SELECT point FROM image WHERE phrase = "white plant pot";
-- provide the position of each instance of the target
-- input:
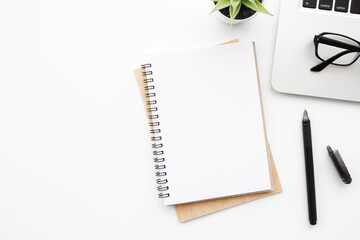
(227, 20)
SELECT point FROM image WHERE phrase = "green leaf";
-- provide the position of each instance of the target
(262, 9)
(235, 12)
(249, 4)
(234, 5)
(221, 4)
(255, 5)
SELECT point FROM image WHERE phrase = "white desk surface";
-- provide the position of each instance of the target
(75, 157)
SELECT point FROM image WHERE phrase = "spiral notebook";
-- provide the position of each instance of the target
(193, 210)
(207, 128)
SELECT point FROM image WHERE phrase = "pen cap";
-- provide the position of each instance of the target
(339, 165)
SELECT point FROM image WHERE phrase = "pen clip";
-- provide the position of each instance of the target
(339, 165)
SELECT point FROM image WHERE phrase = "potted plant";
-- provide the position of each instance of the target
(236, 11)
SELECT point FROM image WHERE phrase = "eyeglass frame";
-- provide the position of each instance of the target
(332, 42)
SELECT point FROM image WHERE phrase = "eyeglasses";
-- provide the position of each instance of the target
(337, 49)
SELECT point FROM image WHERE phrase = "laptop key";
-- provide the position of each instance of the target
(309, 3)
(325, 4)
(355, 6)
(342, 5)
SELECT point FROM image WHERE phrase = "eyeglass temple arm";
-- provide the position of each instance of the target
(335, 43)
(325, 63)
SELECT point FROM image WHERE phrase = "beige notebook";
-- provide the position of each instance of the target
(195, 209)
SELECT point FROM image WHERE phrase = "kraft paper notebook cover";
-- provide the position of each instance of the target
(195, 209)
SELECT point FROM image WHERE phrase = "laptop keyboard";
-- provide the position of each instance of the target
(336, 5)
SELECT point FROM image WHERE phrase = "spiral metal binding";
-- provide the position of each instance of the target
(155, 131)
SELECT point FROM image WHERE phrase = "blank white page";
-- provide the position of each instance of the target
(211, 122)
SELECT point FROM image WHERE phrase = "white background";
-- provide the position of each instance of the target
(75, 155)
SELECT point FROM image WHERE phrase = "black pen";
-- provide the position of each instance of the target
(309, 168)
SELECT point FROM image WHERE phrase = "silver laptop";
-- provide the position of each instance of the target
(299, 22)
